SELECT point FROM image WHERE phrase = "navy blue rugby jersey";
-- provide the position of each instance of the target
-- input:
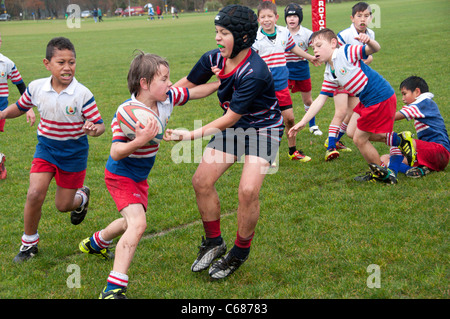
(247, 90)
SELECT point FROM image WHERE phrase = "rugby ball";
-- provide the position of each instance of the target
(131, 112)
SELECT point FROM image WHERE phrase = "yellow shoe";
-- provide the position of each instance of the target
(299, 156)
(407, 147)
(339, 146)
(331, 154)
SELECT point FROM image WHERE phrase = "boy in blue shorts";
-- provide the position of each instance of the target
(68, 113)
(251, 126)
(373, 116)
(272, 43)
(130, 163)
(299, 75)
(8, 70)
(431, 150)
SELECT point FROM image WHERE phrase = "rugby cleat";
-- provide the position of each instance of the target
(25, 253)
(119, 293)
(315, 130)
(3, 172)
(339, 146)
(331, 154)
(418, 171)
(225, 266)
(207, 253)
(299, 156)
(407, 147)
(368, 177)
(85, 247)
(78, 215)
(383, 174)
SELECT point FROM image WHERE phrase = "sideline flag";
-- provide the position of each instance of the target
(318, 11)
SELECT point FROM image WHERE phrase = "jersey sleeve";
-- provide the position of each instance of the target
(91, 112)
(411, 112)
(353, 53)
(201, 72)
(178, 95)
(25, 102)
(15, 76)
(290, 43)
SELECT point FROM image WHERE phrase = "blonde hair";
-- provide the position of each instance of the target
(144, 66)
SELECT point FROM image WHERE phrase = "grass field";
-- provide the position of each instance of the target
(319, 230)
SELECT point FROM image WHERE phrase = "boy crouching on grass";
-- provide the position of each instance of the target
(68, 113)
(373, 117)
(130, 163)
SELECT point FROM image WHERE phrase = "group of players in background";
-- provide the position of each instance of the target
(258, 65)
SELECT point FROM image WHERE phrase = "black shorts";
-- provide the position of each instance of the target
(237, 141)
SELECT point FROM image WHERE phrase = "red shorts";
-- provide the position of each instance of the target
(71, 180)
(125, 191)
(2, 125)
(378, 118)
(299, 85)
(284, 98)
(432, 155)
(342, 91)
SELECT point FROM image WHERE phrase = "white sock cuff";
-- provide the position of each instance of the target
(30, 240)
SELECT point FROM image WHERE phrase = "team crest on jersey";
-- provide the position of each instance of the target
(343, 71)
(2, 74)
(71, 110)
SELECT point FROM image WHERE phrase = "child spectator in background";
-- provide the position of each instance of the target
(299, 75)
(272, 42)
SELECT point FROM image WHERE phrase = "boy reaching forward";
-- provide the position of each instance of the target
(68, 114)
(373, 116)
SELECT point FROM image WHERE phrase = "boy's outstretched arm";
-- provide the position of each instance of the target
(203, 90)
(315, 107)
(301, 53)
(12, 111)
(372, 46)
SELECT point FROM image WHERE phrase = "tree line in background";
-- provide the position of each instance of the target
(40, 9)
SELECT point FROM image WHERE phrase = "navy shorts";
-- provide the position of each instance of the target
(262, 143)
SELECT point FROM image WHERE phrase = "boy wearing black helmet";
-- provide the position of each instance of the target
(251, 126)
(299, 75)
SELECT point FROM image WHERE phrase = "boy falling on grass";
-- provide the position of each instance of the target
(68, 114)
(431, 150)
(130, 163)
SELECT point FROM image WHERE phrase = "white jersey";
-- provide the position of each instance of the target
(301, 38)
(348, 35)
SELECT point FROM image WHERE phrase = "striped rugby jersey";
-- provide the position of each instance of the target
(61, 139)
(355, 76)
(273, 53)
(137, 166)
(9, 71)
(247, 90)
(298, 66)
(428, 121)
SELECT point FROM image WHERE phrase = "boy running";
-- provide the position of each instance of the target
(68, 114)
(251, 126)
(130, 163)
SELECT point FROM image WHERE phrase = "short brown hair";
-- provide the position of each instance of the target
(326, 34)
(144, 66)
(269, 5)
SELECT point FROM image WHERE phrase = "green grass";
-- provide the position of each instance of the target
(319, 230)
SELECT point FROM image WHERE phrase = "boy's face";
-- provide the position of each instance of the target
(409, 96)
(160, 84)
(323, 48)
(292, 22)
(225, 41)
(361, 19)
(62, 67)
(267, 19)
